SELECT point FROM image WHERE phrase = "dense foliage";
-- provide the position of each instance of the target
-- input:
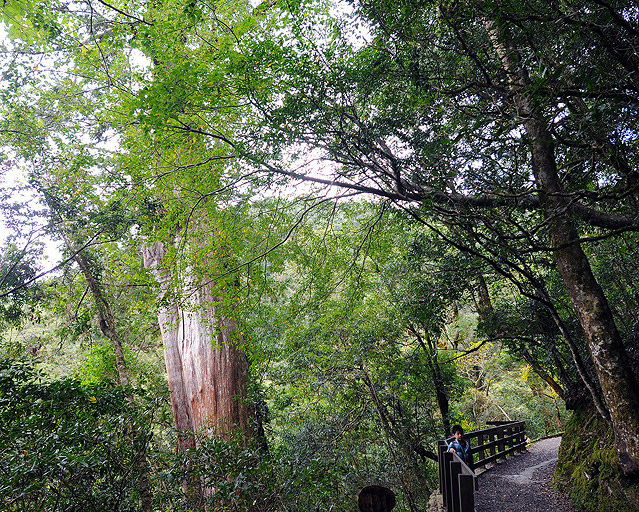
(402, 215)
(64, 445)
(349, 347)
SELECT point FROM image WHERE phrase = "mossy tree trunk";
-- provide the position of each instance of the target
(618, 383)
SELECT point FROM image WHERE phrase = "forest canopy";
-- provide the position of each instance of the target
(344, 226)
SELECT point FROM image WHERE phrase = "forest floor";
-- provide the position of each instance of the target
(523, 483)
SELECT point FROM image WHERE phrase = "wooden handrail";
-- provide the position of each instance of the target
(457, 479)
(475, 433)
(504, 439)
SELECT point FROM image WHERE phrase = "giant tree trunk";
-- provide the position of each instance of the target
(618, 383)
(207, 373)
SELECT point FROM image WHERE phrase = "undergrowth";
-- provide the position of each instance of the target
(588, 470)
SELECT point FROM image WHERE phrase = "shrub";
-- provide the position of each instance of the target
(64, 446)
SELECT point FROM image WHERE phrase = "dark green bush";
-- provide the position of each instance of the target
(233, 475)
(64, 446)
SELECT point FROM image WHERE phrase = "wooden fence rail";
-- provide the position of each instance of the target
(457, 479)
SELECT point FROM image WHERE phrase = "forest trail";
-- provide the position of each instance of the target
(523, 483)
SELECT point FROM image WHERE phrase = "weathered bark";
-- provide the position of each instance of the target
(620, 389)
(618, 383)
(207, 373)
(169, 320)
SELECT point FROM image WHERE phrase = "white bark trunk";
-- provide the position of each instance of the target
(207, 373)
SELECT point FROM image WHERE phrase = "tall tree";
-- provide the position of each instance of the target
(456, 112)
(480, 119)
(206, 368)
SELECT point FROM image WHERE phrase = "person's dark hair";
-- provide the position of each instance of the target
(457, 428)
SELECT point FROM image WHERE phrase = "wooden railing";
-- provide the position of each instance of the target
(494, 443)
(457, 479)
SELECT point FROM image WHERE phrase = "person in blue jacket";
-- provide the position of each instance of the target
(459, 445)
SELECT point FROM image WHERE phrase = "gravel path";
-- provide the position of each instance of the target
(523, 483)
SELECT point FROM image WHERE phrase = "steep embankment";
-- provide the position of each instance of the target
(587, 470)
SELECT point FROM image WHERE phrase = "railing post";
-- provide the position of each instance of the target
(493, 448)
(467, 493)
(455, 473)
(442, 448)
(502, 442)
(447, 491)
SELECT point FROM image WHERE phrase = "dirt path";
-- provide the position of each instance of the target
(523, 483)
